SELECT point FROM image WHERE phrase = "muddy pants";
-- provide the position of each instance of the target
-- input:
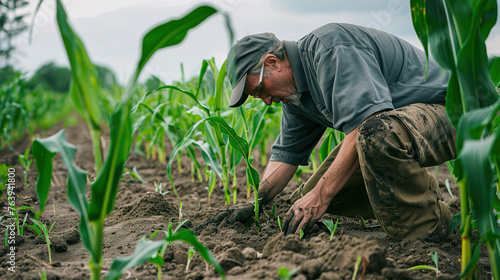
(393, 184)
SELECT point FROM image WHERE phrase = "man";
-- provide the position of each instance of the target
(375, 88)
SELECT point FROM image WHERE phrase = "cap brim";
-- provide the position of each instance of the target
(238, 97)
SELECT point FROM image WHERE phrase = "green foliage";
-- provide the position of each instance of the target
(356, 267)
(285, 273)
(51, 77)
(455, 31)
(104, 188)
(331, 227)
(26, 164)
(43, 232)
(435, 259)
(188, 237)
(6, 73)
(14, 119)
(144, 250)
(4, 171)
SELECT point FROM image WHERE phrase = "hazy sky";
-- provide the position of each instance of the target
(112, 30)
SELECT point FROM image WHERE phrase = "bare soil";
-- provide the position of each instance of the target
(243, 252)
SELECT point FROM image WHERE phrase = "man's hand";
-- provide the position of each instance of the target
(304, 213)
(235, 213)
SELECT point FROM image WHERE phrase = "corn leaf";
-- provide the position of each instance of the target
(219, 100)
(171, 33)
(495, 72)
(475, 158)
(43, 162)
(77, 178)
(106, 185)
(188, 237)
(488, 18)
(443, 40)
(420, 26)
(144, 250)
(240, 145)
(191, 95)
(258, 121)
(326, 147)
(473, 66)
(209, 157)
(85, 85)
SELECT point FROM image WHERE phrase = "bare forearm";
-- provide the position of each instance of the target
(343, 167)
(275, 178)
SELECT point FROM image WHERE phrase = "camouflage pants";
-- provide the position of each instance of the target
(393, 184)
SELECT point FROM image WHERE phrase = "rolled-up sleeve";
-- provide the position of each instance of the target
(353, 85)
(299, 135)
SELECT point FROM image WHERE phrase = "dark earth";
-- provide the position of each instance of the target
(243, 252)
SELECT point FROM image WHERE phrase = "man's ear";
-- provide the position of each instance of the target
(273, 61)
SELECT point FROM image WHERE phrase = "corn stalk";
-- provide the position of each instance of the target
(455, 31)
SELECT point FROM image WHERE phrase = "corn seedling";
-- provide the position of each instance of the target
(159, 189)
(184, 235)
(279, 224)
(191, 252)
(363, 222)
(157, 259)
(134, 174)
(285, 273)
(273, 212)
(15, 214)
(434, 257)
(356, 267)
(43, 275)
(43, 232)
(331, 227)
(301, 233)
(4, 171)
(180, 210)
(104, 188)
(26, 164)
(455, 32)
(448, 188)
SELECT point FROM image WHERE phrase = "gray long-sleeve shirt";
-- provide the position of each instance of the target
(345, 74)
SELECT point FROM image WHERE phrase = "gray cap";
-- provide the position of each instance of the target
(242, 57)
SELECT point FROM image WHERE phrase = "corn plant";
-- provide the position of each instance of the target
(159, 188)
(455, 32)
(285, 273)
(26, 164)
(435, 259)
(43, 232)
(331, 227)
(4, 171)
(14, 119)
(191, 253)
(218, 133)
(356, 267)
(104, 188)
(172, 236)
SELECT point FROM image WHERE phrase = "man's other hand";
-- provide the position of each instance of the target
(235, 213)
(304, 213)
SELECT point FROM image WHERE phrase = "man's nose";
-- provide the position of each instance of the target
(268, 100)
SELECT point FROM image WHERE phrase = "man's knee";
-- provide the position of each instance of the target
(382, 136)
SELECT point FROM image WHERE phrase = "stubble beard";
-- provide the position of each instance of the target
(294, 98)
